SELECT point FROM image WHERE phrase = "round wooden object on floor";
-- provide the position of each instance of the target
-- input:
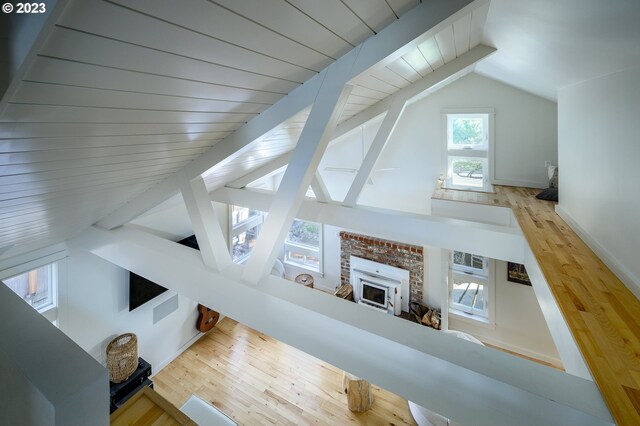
(359, 395)
(305, 279)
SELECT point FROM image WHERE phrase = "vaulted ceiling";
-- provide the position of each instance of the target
(121, 94)
(124, 93)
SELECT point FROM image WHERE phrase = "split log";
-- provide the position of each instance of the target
(345, 292)
(359, 395)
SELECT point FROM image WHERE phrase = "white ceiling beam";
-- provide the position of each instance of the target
(497, 242)
(206, 225)
(261, 172)
(451, 71)
(424, 21)
(379, 141)
(316, 134)
(320, 189)
(499, 389)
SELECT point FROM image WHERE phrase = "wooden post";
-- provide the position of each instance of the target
(359, 395)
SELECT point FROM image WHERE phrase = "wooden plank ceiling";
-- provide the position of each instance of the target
(379, 82)
(126, 92)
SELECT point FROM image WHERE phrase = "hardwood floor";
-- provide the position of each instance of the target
(255, 379)
(602, 314)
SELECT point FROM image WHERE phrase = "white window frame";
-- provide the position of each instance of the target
(56, 259)
(484, 277)
(306, 250)
(240, 227)
(484, 151)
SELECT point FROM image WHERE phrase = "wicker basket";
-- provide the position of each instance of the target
(122, 357)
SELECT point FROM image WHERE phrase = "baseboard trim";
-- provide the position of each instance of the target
(179, 351)
(523, 183)
(627, 277)
(523, 351)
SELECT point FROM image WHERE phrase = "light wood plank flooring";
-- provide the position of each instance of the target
(255, 380)
(602, 314)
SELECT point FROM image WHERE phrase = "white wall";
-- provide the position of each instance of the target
(525, 137)
(599, 152)
(45, 378)
(94, 305)
(330, 279)
(520, 325)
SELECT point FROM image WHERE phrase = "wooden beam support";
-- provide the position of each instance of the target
(453, 70)
(320, 189)
(424, 21)
(500, 389)
(382, 136)
(206, 225)
(261, 172)
(316, 134)
(497, 242)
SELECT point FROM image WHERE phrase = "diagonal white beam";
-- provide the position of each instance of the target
(378, 144)
(261, 171)
(497, 242)
(453, 70)
(424, 21)
(320, 189)
(315, 136)
(206, 225)
(430, 368)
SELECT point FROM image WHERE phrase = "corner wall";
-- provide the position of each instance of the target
(45, 378)
(599, 153)
(520, 326)
(94, 304)
(404, 177)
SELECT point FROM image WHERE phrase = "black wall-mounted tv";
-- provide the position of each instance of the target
(141, 290)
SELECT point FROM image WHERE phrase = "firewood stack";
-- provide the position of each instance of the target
(431, 319)
(426, 316)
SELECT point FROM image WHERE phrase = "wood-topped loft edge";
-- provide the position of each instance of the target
(602, 314)
(147, 407)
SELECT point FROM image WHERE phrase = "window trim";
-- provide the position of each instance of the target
(240, 227)
(50, 310)
(305, 247)
(487, 280)
(471, 153)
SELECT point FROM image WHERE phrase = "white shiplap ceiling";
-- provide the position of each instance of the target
(123, 93)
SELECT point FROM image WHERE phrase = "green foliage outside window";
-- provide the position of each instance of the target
(468, 168)
(467, 131)
(307, 233)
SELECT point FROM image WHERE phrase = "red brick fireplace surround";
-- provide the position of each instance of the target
(391, 253)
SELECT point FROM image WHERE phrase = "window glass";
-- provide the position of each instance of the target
(468, 296)
(471, 286)
(246, 224)
(467, 159)
(37, 287)
(467, 172)
(243, 243)
(242, 214)
(464, 261)
(303, 232)
(303, 246)
(467, 131)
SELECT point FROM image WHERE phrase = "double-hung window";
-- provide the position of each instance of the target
(245, 228)
(471, 287)
(468, 141)
(39, 288)
(303, 245)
